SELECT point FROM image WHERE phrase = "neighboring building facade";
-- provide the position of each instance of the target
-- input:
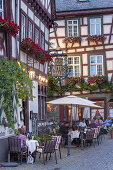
(35, 19)
(80, 18)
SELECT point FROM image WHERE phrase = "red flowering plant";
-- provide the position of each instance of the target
(28, 45)
(75, 82)
(97, 80)
(72, 40)
(96, 38)
(9, 26)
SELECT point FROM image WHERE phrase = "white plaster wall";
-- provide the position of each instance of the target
(46, 67)
(46, 34)
(84, 42)
(84, 30)
(61, 32)
(30, 14)
(107, 19)
(61, 22)
(109, 76)
(106, 29)
(53, 33)
(46, 47)
(23, 57)
(36, 65)
(109, 54)
(41, 67)
(13, 47)
(19, 109)
(33, 105)
(85, 70)
(23, 7)
(84, 59)
(85, 20)
(109, 65)
(42, 26)
(37, 21)
(62, 45)
(13, 10)
(54, 44)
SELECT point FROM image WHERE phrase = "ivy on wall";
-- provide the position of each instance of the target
(13, 78)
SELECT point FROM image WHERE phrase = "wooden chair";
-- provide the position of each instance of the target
(15, 147)
(58, 141)
(48, 148)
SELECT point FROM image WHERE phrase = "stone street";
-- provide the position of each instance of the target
(98, 158)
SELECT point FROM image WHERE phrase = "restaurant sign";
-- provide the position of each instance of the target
(59, 68)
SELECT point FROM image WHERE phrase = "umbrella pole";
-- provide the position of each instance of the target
(71, 114)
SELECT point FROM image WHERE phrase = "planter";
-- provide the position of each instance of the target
(111, 132)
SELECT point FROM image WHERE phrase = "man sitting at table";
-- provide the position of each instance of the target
(82, 124)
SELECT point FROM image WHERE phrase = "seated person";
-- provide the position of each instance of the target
(97, 123)
(82, 124)
(23, 140)
(64, 131)
(92, 124)
(24, 132)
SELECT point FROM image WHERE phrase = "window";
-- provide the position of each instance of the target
(1, 9)
(74, 66)
(36, 36)
(23, 23)
(72, 28)
(30, 30)
(95, 26)
(96, 65)
(42, 41)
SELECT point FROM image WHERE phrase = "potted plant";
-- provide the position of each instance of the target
(111, 131)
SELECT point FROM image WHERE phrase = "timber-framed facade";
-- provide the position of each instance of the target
(86, 58)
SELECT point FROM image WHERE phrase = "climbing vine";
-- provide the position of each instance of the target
(13, 79)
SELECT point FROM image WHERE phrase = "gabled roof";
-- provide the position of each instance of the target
(70, 5)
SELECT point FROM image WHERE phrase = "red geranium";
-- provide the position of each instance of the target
(9, 26)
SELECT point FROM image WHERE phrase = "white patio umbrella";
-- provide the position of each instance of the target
(74, 101)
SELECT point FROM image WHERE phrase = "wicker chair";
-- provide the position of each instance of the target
(89, 137)
(15, 147)
(48, 148)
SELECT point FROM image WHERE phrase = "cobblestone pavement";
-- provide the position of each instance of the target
(98, 158)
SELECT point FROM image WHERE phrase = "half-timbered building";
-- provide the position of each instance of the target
(35, 17)
(85, 34)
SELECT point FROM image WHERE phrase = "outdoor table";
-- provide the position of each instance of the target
(74, 134)
(32, 144)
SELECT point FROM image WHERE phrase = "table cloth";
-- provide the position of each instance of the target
(32, 144)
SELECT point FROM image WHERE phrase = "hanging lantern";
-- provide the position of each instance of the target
(31, 73)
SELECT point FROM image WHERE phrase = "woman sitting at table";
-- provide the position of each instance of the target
(23, 140)
(92, 124)
(82, 124)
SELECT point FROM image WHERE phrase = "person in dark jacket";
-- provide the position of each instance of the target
(64, 131)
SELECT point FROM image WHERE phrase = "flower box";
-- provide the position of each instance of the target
(96, 38)
(9, 26)
(72, 40)
(29, 46)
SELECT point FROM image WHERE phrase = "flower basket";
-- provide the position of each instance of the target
(29, 46)
(96, 38)
(9, 26)
(72, 40)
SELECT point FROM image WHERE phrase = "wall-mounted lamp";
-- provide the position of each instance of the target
(31, 73)
(42, 79)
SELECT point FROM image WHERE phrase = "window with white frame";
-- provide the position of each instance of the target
(1, 9)
(74, 66)
(72, 28)
(30, 30)
(96, 65)
(36, 36)
(95, 26)
(23, 26)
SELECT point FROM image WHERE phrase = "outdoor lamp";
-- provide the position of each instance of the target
(31, 73)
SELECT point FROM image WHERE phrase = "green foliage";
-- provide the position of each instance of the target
(13, 79)
(36, 138)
